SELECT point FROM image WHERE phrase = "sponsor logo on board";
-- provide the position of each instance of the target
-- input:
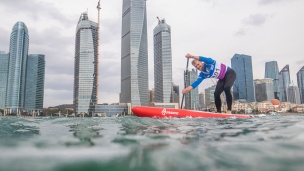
(165, 111)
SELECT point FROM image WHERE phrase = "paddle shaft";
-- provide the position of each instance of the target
(185, 82)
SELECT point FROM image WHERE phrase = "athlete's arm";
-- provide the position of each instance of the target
(194, 84)
(201, 58)
(199, 79)
(192, 56)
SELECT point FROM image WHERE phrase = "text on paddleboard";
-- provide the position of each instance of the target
(164, 112)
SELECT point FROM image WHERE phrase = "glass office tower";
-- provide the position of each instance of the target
(191, 98)
(162, 63)
(293, 94)
(85, 68)
(201, 98)
(272, 71)
(263, 89)
(3, 77)
(284, 82)
(19, 43)
(134, 54)
(300, 80)
(243, 87)
(175, 92)
(209, 95)
(35, 82)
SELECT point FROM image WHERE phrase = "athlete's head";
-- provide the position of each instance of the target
(198, 64)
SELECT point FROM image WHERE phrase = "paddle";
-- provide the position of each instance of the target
(185, 82)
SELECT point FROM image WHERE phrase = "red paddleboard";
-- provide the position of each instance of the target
(157, 112)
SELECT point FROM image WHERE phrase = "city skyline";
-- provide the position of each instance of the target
(265, 30)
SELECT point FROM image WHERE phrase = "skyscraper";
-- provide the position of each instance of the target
(3, 77)
(162, 63)
(35, 82)
(243, 85)
(151, 96)
(293, 94)
(284, 82)
(263, 89)
(209, 95)
(272, 71)
(85, 70)
(191, 98)
(175, 92)
(201, 97)
(134, 53)
(19, 43)
(300, 80)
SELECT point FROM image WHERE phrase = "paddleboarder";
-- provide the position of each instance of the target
(212, 69)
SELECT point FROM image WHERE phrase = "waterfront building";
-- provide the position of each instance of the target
(35, 83)
(293, 94)
(265, 107)
(175, 94)
(4, 56)
(191, 98)
(243, 87)
(201, 98)
(300, 80)
(162, 63)
(272, 71)
(284, 82)
(85, 67)
(111, 110)
(166, 105)
(263, 89)
(238, 106)
(18, 53)
(151, 96)
(209, 95)
(134, 54)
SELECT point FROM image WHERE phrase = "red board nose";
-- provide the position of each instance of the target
(138, 110)
(135, 109)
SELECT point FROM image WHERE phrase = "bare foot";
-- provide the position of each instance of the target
(228, 112)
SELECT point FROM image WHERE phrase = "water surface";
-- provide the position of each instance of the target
(131, 143)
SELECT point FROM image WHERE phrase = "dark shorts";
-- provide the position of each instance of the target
(227, 81)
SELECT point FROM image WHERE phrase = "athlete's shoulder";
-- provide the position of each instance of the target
(207, 60)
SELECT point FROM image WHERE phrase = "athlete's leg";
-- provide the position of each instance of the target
(228, 98)
(217, 95)
(229, 80)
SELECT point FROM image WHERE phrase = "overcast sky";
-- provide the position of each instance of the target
(267, 30)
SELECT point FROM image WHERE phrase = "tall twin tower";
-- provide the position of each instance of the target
(134, 59)
(134, 54)
(21, 75)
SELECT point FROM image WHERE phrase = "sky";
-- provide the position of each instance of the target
(266, 30)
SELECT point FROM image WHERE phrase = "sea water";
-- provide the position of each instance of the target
(147, 144)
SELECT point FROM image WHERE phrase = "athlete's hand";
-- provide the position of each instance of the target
(186, 90)
(188, 55)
